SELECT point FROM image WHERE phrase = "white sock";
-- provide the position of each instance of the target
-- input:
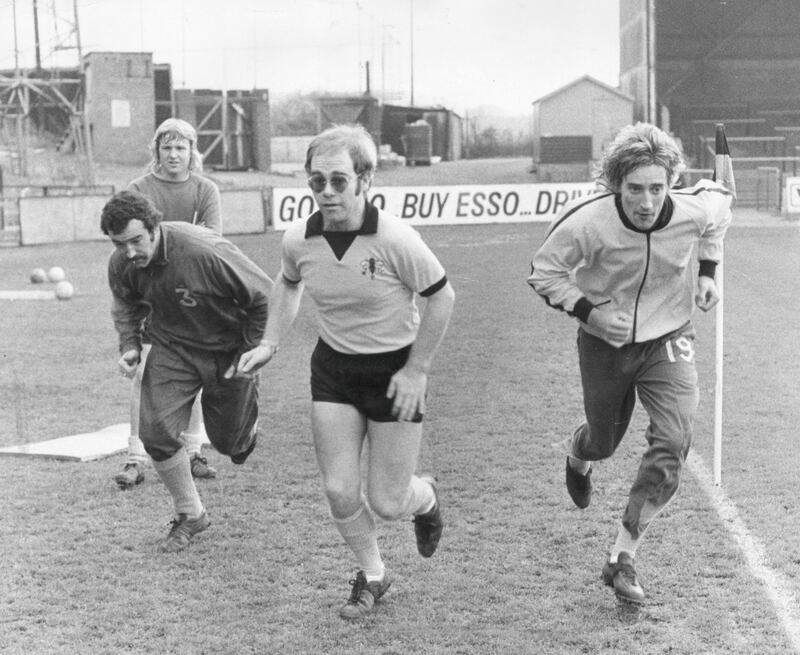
(565, 446)
(136, 451)
(176, 474)
(359, 533)
(420, 498)
(624, 543)
(192, 443)
(192, 436)
(579, 465)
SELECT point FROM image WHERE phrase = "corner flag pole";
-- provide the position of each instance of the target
(718, 359)
(723, 173)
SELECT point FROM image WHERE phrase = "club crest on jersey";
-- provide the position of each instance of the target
(372, 266)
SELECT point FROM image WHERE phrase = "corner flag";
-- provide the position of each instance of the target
(723, 173)
(723, 165)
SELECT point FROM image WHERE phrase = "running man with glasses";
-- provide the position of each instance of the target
(369, 371)
(623, 263)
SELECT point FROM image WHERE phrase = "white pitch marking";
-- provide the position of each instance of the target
(33, 294)
(776, 586)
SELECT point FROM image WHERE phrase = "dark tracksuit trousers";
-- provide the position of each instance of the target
(172, 378)
(662, 372)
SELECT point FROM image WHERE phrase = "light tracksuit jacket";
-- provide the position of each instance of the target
(593, 255)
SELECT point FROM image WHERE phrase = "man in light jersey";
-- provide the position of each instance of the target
(207, 304)
(180, 193)
(363, 269)
(622, 263)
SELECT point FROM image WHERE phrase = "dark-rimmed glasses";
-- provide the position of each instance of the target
(339, 182)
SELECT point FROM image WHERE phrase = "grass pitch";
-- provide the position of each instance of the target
(518, 570)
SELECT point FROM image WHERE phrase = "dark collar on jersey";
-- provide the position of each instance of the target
(369, 225)
(160, 255)
(664, 217)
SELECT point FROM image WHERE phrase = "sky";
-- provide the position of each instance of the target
(460, 54)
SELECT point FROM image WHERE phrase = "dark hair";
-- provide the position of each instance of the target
(127, 206)
(639, 145)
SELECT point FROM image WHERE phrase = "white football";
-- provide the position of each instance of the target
(64, 290)
(56, 274)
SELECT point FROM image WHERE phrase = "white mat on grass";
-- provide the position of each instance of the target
(83, 447)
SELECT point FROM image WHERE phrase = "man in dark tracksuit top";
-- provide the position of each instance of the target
(207, 304)
(622, 264)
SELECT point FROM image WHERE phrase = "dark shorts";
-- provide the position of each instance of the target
(358, 380)
(172, 378)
